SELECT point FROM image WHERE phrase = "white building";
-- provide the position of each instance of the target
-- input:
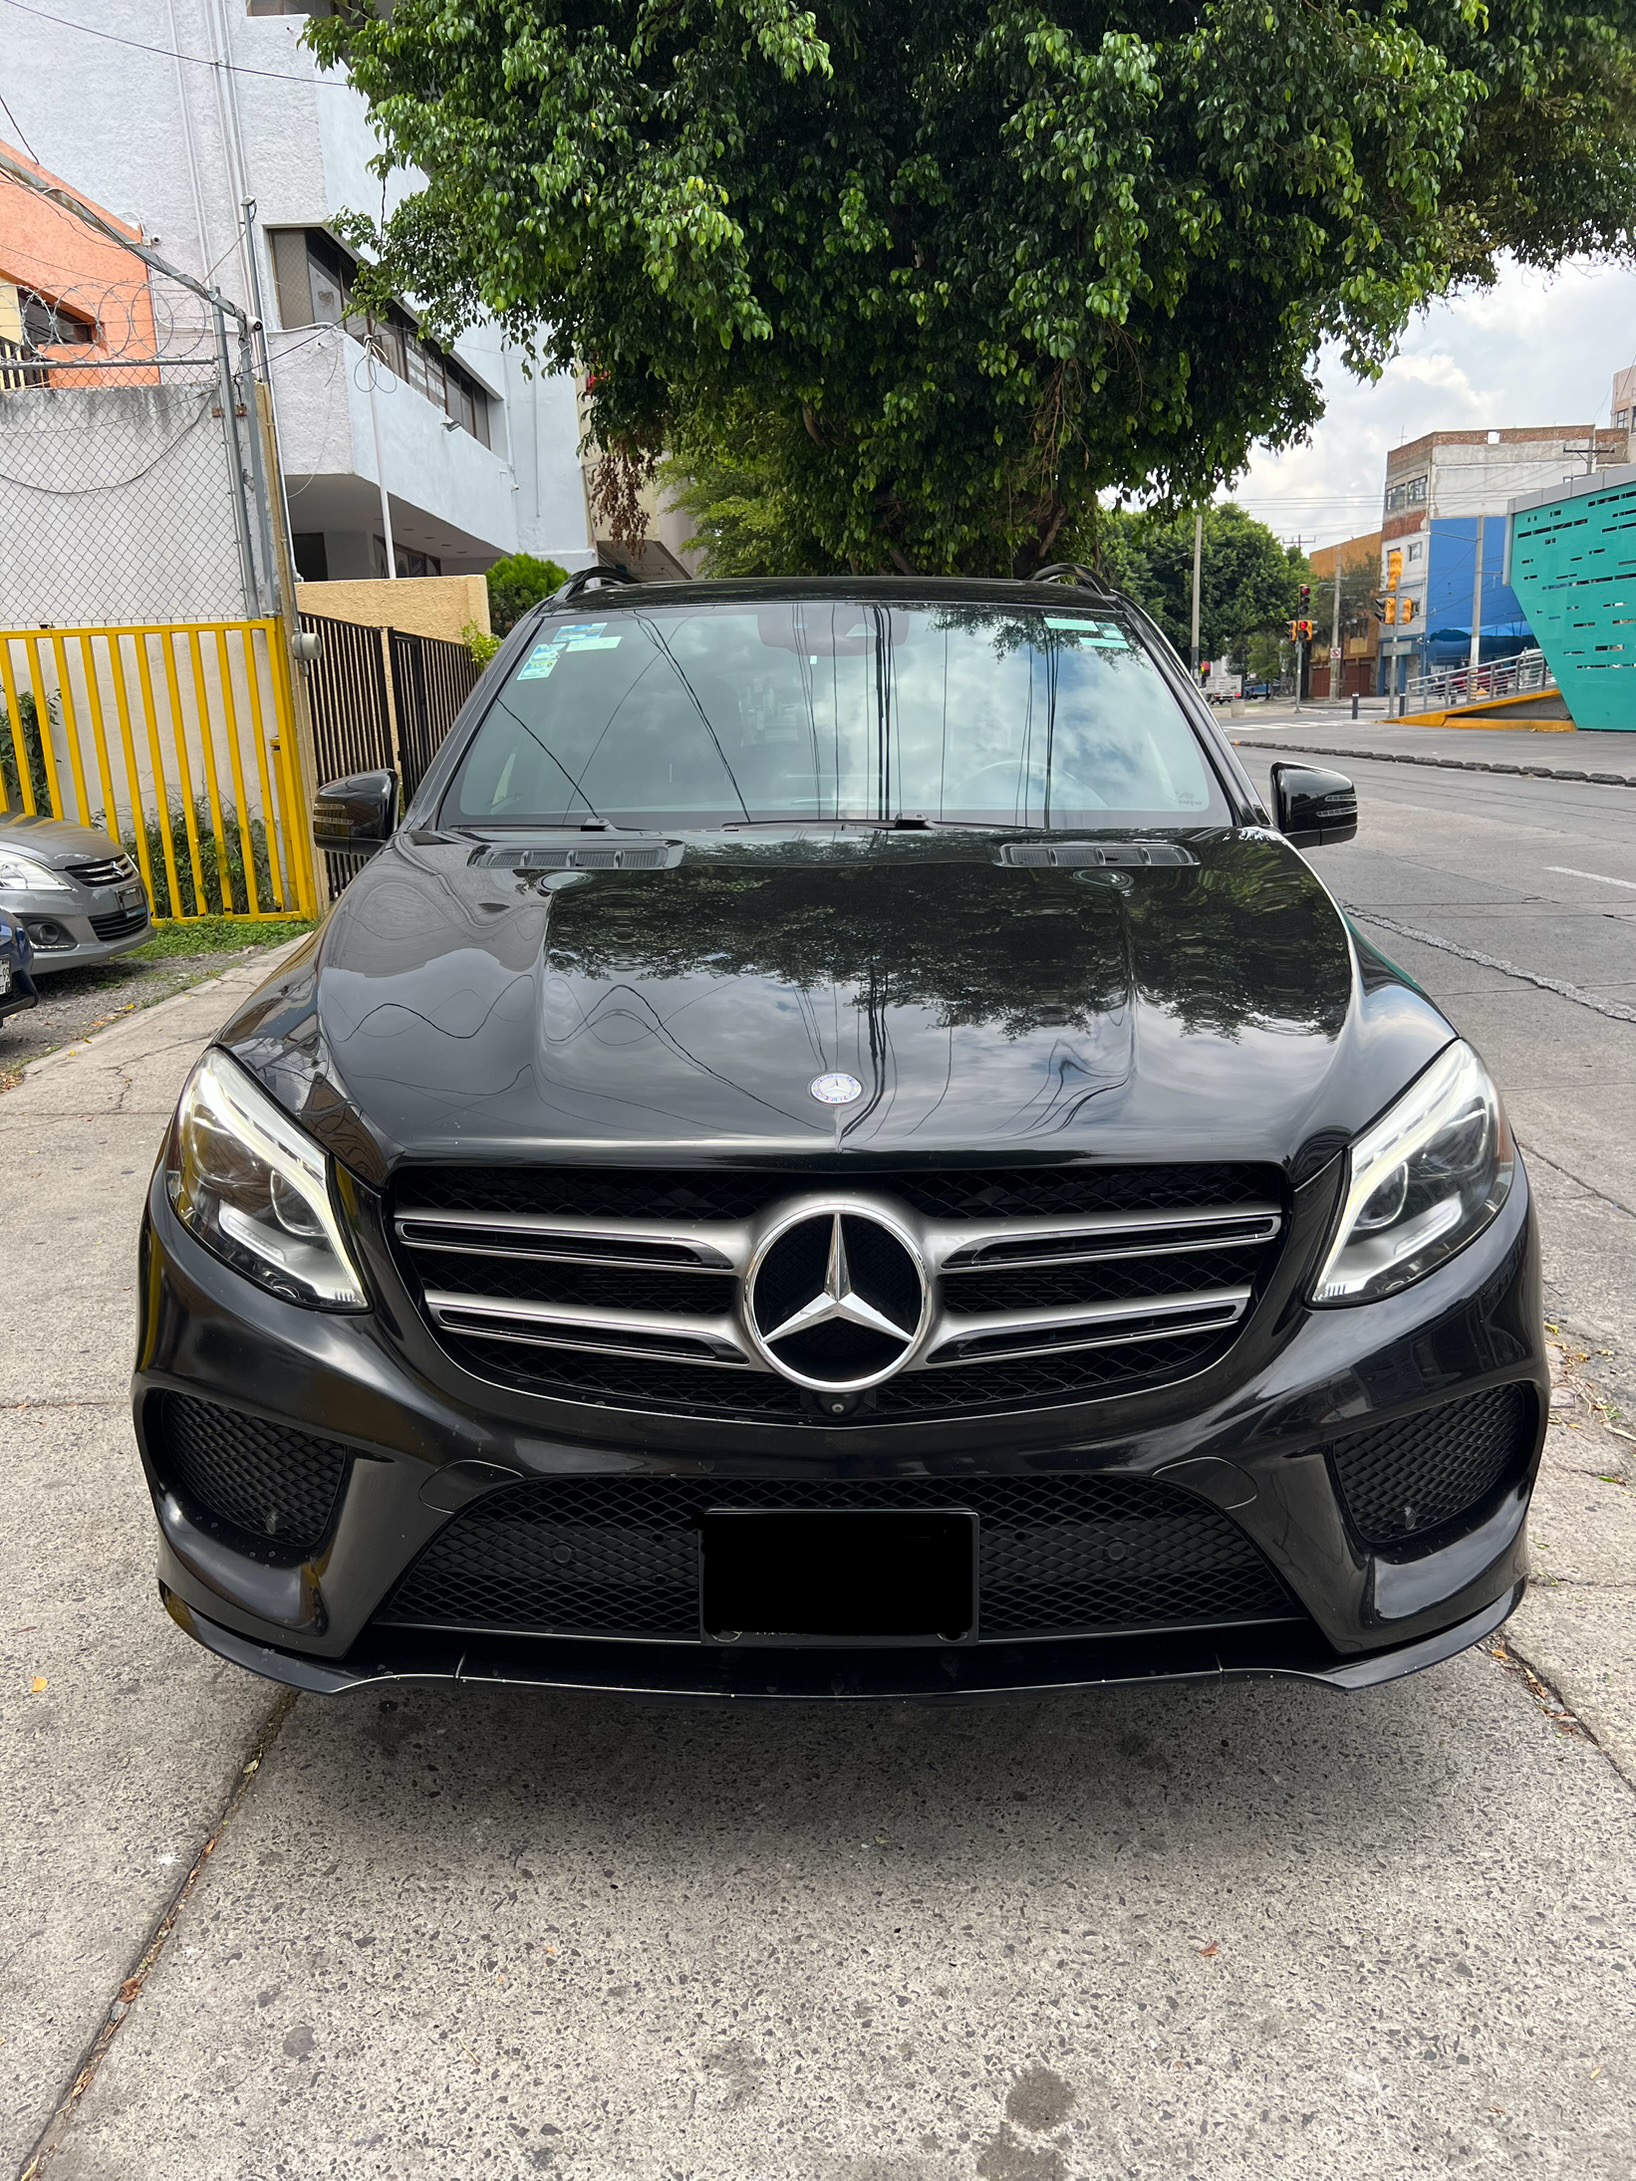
(172, 113)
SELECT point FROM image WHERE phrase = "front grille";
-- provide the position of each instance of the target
(624, 1286)
(1421, 1471)
(618, 1556)
(119, 923)
(114, 871)
(268, 1485)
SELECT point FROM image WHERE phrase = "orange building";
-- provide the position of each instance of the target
(69, 297)
(1359, 558)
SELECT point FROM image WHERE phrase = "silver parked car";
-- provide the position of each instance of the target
(76, 893)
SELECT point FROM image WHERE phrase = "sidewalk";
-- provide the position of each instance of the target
(118, 1742)
(1609, 758)
(442, 1933)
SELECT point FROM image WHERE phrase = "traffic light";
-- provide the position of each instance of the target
(1305, 596)
(1295, 632)
(1391, 611)
(1405, 609)
(1394, 570)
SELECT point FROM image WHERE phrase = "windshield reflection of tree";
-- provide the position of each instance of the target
(840, 709)
(1244, 940)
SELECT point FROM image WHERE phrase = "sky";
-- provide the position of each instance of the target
(1535, 349)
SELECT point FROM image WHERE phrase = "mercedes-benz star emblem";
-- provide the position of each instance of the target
(837, 1298)
(835, 1090)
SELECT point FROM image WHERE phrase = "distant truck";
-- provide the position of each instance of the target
(1219, 681)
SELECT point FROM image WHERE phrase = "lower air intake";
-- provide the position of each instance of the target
(1059, 1555)
(269, 1486)
(1421, 1471)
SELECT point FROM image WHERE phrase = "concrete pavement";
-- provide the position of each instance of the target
(1243, 1932)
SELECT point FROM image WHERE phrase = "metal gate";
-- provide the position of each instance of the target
(178, 740)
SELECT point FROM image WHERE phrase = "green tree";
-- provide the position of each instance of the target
(958, 266)
(1248, 582)
(517, 583)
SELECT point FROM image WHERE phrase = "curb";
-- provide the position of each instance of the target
(1444, 764)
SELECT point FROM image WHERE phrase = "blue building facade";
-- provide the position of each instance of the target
(1443, 579)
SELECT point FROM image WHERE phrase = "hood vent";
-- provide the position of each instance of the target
(603, 856)
(1093, 855)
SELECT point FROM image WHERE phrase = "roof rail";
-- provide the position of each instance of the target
(583, 578)
(1072, 571)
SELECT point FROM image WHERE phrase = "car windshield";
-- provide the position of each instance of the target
(836, 709)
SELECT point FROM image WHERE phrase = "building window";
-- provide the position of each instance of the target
(409, 563)
(1416, 547)
(1411, 493)
(50, 325)
(311, 556)
(314, 277)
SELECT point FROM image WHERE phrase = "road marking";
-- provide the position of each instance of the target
(1566, 870)
(1572, 992)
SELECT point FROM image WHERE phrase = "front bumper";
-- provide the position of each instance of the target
(77, 928)
(1249, 1437)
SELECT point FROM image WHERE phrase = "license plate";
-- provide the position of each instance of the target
(132, 897)
(840, 1575)
(5, 976)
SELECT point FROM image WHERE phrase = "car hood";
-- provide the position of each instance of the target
(52, 841)
(455, 1006)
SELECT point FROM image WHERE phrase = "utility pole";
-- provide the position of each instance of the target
(1198, 565)
(1335, 668)
(1477, 604)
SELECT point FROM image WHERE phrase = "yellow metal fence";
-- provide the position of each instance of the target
(177, 739)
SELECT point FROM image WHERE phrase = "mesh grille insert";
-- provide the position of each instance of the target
(619, 1555)
(271, 1485)
(1409, 1476)
(600, 1192)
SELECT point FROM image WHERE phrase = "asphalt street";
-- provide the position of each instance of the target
(1239, 1933)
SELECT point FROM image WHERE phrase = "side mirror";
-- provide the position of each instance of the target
(356, 817)
(1313, 808)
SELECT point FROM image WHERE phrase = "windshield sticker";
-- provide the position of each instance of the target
(1092, 635)
(576, 636)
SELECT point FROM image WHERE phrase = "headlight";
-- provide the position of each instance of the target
(1428, 1176)
(255, 1190)
(25, 874)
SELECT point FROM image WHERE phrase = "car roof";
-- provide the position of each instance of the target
(910, 590)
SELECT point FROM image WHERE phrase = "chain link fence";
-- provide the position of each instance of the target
(130, 463)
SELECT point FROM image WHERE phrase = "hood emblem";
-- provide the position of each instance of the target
(835, 1090)
(837, 1298)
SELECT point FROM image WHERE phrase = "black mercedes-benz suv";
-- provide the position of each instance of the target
(838, 1150)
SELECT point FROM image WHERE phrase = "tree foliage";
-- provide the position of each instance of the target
(1249, 581)
(518, 582)
(957, 266)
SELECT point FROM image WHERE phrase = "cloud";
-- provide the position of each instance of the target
(1533, 349)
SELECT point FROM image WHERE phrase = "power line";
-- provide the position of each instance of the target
(18, 126)
(169, 53)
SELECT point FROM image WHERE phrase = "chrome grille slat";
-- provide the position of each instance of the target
(714, 1334)
(1021, 1244)
(1063, 1285)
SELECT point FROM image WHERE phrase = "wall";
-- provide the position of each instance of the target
(116, 505)
(424, 605)
(1573, 563)
(47, 249)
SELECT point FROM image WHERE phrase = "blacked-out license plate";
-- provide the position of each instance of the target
(5, 975)
(839, 1575)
